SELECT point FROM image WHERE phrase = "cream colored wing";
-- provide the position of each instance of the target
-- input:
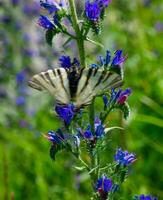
(54, 81)
(93, 82)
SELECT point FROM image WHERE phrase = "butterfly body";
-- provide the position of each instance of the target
(79, 85)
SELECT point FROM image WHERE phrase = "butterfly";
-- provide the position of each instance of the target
(77, 85)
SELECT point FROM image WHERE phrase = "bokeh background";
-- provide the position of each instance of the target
(26, 170)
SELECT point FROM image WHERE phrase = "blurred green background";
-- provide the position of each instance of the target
(26, 170)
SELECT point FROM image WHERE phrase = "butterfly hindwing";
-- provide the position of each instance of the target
(54, 81)
(93, 82)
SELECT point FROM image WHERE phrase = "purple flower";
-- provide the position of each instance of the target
(66, 113)
(92, 10)
(65, 61)
(44, 22)
(20, 101)
(122, 97)
(99, 128)
(159, 26)
(103, 186)
(145, 197)
(124, 157)
(118, 58)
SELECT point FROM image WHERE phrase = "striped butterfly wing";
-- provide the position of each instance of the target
(54, 81)
(93, 82)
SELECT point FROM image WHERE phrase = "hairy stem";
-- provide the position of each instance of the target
(79, 36)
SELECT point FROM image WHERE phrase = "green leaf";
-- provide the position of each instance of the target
(49, 36)
(80, 168)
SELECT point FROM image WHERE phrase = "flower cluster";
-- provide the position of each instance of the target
(145, 197)
(99, 131)
(107, 62)
(124, 157)
(118, 97)
(94, 12)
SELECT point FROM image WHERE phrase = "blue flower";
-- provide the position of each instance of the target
(49, 6)
(92, 10)
(21, 77)
(122, 97)
(145, 197)
(118, 58)
(20, 101)
(15, 2)
(44, 22)
(88, 133)
(99, 128)
(55, 137)
(65, 61)
(124, 157)
(66, 113)
(103, 186)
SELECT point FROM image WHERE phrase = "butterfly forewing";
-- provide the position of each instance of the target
(54, 81)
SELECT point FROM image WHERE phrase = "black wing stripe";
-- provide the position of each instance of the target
(49, 78)
(87, 80)
(95, 71)
(107, 76)
(100, 79)
(61, 79)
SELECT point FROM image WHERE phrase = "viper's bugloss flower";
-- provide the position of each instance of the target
(106, 61)
(99, 131)
(124, 157)
(65, 61)
(21, 77)
(15, 2)
(66, 113)
(118, 97)
(123, 95)
(118, 59)
(92, 10)
(54, 137)
(145, 197)
(50, 7)
(103, 186)
(44, 22)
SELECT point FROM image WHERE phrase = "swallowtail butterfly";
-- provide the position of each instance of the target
(77, 85)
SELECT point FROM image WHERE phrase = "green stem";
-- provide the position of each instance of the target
(79, 36)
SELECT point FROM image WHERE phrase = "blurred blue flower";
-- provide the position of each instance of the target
(103, 186)
(66, 113)
(118, 59)
(15, 2)
(44, 22)
(105, 100)
(20, 101)
(21, 77)
(159, 26)
(145, 197)
(31, 9)
(124, 157)
(92, 10)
